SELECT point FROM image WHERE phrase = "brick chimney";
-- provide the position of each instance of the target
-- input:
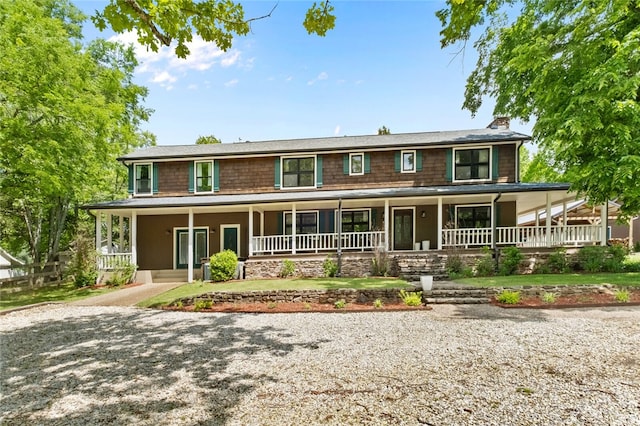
(501, 123)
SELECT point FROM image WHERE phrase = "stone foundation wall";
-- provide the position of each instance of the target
(561, 290)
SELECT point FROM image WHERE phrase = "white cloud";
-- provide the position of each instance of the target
(322, 76)
(336, 132)
(231, 83)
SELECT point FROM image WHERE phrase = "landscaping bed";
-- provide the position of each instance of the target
(293, 307)
(579, 300)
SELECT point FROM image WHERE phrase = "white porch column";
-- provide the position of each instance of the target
(439, 231)
(133, 237)
(293, 229)
(190, 248)
(109, 233)
(98, 231)
(121, 233)
(604, 221)
(250, 231)
(548, 221)
(387, 219)
(564, 222)
(261, 223)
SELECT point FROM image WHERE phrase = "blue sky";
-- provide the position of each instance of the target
(381, 65)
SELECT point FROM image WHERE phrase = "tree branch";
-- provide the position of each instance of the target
(144, 16)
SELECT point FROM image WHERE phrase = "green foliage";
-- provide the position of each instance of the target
(122, 274)
(288, 268)
(380, 263)
(207, 140)
(223, 265)
(384, 130)
(622, 296)
(548, 297)
(272, 305)
(572, 67)
(378, 304)
(631, 264)
(340, 304)
(178, 304)
(82, 265)
(602, 259)
(411, 298)
(557, 261)
(485, 266)
(509, 297)
(201, 304)
(329, 267)
(320, 18)
(307, 306)
(636, 247)
(510, 260)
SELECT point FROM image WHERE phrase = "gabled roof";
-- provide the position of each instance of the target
(12, 260)
(366, 142)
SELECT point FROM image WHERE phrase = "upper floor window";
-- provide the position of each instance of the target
(356, 164)
(143, 179)
(204, 176)
(472, 164)
(306, 222)
(408, 161)
(473, 216)
(298, 172)
(356, 221)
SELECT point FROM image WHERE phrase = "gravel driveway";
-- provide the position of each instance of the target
(462, 365)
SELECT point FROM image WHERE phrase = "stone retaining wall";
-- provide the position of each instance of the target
(311, 266)
(560, 290)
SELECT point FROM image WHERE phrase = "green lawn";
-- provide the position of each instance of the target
(62, 293)
(197, 288)
(630, 279)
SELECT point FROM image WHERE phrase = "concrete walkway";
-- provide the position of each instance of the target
(127, 296)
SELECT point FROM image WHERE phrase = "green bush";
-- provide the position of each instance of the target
(288, 268)
(201, 304)
(622, 296)
(631, 264)
(557, 262)
(82, 268)
(223, 265)
(485, 266)
(122, 274)
(636, 247)
(380, 265)
(378, 304)
(509, 297)
(411, 298)
(329, 267)
(549, 297)
(591, 258)
(340, 304)
(510, 260)
(616, 256)
(454, 264)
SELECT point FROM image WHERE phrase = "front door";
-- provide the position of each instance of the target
(200, 247)
(403, 229)
(230, 238)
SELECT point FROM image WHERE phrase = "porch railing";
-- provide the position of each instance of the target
(315, 243)
(523, 236)
(111, 261)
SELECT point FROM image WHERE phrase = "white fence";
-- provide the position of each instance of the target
(523, 236)
(111, 261)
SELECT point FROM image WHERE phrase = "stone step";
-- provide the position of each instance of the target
(456, 300)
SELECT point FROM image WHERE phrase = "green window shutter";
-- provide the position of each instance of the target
(216, 175)
(280, 218)
(418, 161)
(319, 171)
(131, 178)
(449, 165)
(345, 164)
(397, 161)
(277, 173)
(494, 163)
(367, 162)
(155, 178)
(191, 177)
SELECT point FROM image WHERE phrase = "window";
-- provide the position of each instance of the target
(356, 164)
(306, 223)
(298, 172)
(472, 164)
(204, 176)
(355, 221)
(473, 217)
(143, 178)
(408, 161)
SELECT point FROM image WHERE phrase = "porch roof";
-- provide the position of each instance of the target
(341, 143)
(320, 195)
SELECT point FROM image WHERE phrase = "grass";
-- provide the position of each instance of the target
(629, 279)
(198, 288)
(58, 293)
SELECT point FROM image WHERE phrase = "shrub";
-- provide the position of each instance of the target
(378, 303)
(411, 298)
(454, 264)
(340, 304)
(508, 297)
(636, 247)
(288, 268)
(591, 258)
(272, 305)
(122, 274)
(201, 304)
(223, 265)
(380, 262)
(622, 296)
(511, 258)
(82, 268)
(549, 297)
(616, 255)
(631, 264)
(557, 262)
(485, 266)
(329, 267)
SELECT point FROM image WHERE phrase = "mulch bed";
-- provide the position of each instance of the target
(594, 300)
(287, 307)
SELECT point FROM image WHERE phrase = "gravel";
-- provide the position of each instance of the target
(463, 365)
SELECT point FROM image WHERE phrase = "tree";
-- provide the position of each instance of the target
(538, 167)
(159, 22)
(66, 113)
(205, 140)
(384, 130)
(574, 67)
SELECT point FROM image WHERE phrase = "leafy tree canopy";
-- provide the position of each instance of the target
(574, 67)
(205, 140)
(160, 22)
(384, 130)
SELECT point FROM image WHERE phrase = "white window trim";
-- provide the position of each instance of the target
(195, 177)
(402, 153)
(286, 212)
(335, 221)
(351, 155)
(315, 172)
(135, 180)
(473, 205)
(453, 164)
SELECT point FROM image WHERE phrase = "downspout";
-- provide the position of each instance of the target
(339, 253)
(494, 230)
(518, 162)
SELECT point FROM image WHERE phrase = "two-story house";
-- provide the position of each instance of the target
(403, 192)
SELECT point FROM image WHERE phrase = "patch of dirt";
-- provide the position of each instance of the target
(575, 301)
(290, 307)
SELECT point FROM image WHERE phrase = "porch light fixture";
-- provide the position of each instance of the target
(423, 214)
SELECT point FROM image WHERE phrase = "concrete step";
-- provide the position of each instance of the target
(456, 300)
(169, 275)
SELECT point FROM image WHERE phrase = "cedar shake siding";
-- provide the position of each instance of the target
(173, 178)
